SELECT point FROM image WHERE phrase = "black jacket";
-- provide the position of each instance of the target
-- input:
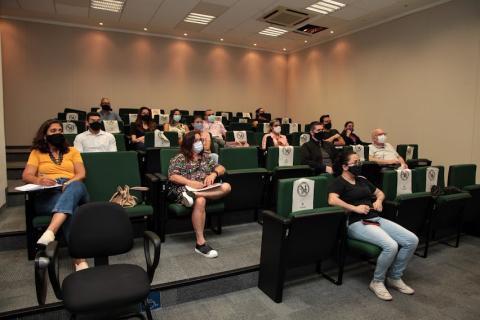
(311, 154)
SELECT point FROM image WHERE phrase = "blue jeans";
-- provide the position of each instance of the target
(51, 201)
(397, 243)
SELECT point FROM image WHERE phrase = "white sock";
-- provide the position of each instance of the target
(47, 237)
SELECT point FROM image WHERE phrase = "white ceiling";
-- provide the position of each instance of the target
(236, 22)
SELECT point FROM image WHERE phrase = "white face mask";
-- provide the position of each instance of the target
(382, 138)
(198, 147)
(177, 117)
(277, 129)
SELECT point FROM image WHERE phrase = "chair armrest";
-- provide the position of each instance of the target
(150, 237)
(41, 266)
(268, 214)
(389, 209)
(51, 252)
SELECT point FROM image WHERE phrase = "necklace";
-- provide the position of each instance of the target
(56, 161)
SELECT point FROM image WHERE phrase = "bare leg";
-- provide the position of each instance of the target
(217, 193)
(58, 219)
(198, 218)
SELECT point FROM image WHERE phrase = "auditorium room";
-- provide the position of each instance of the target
(240, 159)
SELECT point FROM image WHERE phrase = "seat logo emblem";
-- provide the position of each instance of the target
(303, 189)
(404, 175)
(286, 151)
(431, 175)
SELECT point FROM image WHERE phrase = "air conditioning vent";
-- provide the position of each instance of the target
(285, 17)
(309, 29)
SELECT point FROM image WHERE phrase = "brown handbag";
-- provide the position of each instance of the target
(123, 197)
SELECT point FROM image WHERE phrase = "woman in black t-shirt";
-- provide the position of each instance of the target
(364, 201)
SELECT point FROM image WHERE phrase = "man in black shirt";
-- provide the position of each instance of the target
(331, 135)
(318, 153)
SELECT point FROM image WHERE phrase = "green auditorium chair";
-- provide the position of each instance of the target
(70, 138)
(412, 211)
(463, 176)
(286, 129)
(81, 127)
(108, 291)
(121, 126)
(81, 114)
(278, 172)
(412, 159)
(107, 170)
(251, 139)
(237, 126)
(172, 136)
(240, 114)
(127, 111)
(247, 179)
(171, 210)
(300, 238)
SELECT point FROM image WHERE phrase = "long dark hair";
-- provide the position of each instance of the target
(40, 143)
(150, 122)
(187, 144)
(341, 159)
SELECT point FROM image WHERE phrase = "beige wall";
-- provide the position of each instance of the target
(417, 77)
(3, 161)
(49, 67)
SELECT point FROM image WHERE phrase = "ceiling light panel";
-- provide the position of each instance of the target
(273, 32)
(199, 18)
(326, 6)
(108, 5)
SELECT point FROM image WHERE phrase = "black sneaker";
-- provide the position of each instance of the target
(188, 198)
(206, 251)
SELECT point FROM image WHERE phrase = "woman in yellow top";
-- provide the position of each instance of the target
(51, 162)
(175, 125)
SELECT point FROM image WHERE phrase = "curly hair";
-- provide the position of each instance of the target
(40, 143)
(187, 144)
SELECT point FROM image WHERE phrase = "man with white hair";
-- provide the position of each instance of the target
(382, 152)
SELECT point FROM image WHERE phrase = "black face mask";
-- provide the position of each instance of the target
(328, 126)
(320, 136)
(356, 170)
(106, 107)
(57, 139)
(145, 117)
(95, 126)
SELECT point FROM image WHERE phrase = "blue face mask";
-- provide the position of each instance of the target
(198, 126)
(177, 117)
(211, 118)
(198, 147)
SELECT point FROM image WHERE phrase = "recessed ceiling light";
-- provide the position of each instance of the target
(255, 44)
(145, 29)
(326, 6)
(108, 5)
(100, 23)
(273, 32)
(284, 49)
(199, 18)
(306, 41)
(185, 34)
(331, 31)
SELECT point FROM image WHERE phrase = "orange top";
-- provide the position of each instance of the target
(49, 169)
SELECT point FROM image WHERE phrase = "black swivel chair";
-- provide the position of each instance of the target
(99, 230)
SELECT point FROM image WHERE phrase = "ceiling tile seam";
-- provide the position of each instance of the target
(155, 13)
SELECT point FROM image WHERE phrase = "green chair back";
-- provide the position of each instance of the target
(120, 141)
(402, 150)
(70, 138)
(272, 157)
(166, 154)
(462, 175)
(239, 158)
(236, 126)
(285, 190)
(107, 170)
(251, 139)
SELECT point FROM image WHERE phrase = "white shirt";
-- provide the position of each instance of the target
(90, 142)
(387, 152)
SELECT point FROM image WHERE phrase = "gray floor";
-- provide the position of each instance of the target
(447, 285)
(238, 246)
(12, 219)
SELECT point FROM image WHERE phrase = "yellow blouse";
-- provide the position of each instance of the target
(49, 169)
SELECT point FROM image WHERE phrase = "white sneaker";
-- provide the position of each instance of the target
(188, 198)
(380, 291)
(399, 285)
(47, 237)
(206, 251)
